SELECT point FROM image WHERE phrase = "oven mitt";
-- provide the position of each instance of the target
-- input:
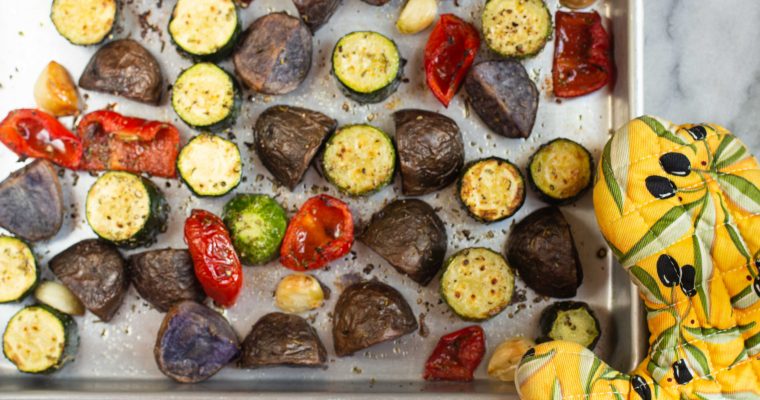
(679, 208)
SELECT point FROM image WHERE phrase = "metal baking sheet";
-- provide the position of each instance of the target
(115, 359)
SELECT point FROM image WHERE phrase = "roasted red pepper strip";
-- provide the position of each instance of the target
(456, 355)
(217, 266)
(449, 53)
(582, 56)
(114, 142)
(321, 231)
(37, 134)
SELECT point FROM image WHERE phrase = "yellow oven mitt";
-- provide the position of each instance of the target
(679, 208)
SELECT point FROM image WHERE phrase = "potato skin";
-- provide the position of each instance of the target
(31, 202)
(410, 236)
(316, 13)
(287, 139)
(282, 339)
(164, 277)
(368, 313)
(95, 272)
(274, 54)
(376, 2)
(430, 151)
(124, 68)
(542, 250)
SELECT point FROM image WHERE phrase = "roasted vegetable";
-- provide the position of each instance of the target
(583, 60)
(37, 134)
(410, 236)
(83, 22)
(257, 225)
(194, 343)
(204, 29)
(95, 272)
(274, 54)
(542, 250)
(368, 313)
(367, 65)
(504, 97)
(560, 171)
(456, 355)
(126, 210)
(359, 159)
(449, 53)
(59, 297)
(31, 202)
(206, 97)
(492, 189)
(55, 91)
(124, 68)
(287, 139)
(165, 277)
(210, 165)
(298, 293)
(282, 339)
(316, 13)
(477, 283)
(416, 16)
(572, 321)
(376, 2)
(430, 151)
(516, 28)
(506, 357)
(321, 231)
(18, 270)
(40, 340)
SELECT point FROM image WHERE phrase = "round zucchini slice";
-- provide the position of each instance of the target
(367, 65)
(205, 29)
(18, 270)
(83, 22)
(561, 171)
(516, 28)
(39, 339)
(126, 209)
(573, 321)
(477, 283)
(210, 165)
(359, 159)
(206, 97)
(257, 225)
(492, 189)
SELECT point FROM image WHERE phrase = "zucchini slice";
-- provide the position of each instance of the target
(257, 225)
(210, 166)
(83, 22)
(59, 297)
(359, 159)
(561, 171)
(18, 270)
(477, 283)
(367, 65)
(206, 97)
(205, 29)
(39, 339)
(516, 28)
(572, 321)
(126, 209)
(492, 189)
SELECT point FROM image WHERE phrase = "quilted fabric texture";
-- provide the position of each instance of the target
(679, 207)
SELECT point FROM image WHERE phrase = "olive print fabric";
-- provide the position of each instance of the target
(679, 207)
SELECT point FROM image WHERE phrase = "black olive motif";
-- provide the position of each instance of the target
(756, 286)
(530, 353)
(668, 270)
(681, 372)
(697, 132)
(641, 387)
(675, 164)
(661, 187)
(688, 274)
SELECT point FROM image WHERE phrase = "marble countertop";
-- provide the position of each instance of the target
(702, 63)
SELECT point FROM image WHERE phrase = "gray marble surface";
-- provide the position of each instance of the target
(702, 63)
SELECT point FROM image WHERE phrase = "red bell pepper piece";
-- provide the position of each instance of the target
(217, 266)
(37, 134)
(449, 53)
(116, 142)
(321, 231)
(582, 56)
(457, 355)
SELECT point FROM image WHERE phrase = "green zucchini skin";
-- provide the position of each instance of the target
(71, 338)
(184, 175)
(216, 56)
(257, 226)
(92, 43)
(17, 297)
(233, 110)
(515, 207)
(551, 316)
(544, 195)
(517, 53)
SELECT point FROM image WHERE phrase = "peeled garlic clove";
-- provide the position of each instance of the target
(505, 358)
(416, 16)
(55, 91)
(298, 293)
